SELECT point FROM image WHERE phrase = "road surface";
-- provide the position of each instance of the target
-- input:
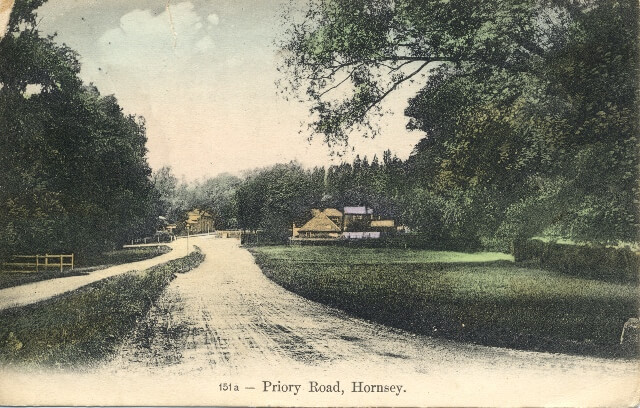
(224, 322)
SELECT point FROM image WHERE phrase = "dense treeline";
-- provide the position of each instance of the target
(529, 107)
(529, 111)
(74, 172)
(216, 196)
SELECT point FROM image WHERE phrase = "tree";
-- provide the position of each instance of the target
(274, 198)
(75, 176)
(166, 184)
(346, 56)
(528, 107)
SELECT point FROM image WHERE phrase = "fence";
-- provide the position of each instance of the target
(236, 234)
(38, 262)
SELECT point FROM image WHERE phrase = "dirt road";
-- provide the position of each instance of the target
(224, 322)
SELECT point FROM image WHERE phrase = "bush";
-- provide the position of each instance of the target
(588, 261)
(121, 256)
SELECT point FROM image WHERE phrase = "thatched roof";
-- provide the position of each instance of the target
(196, 215)
(320, 223)
(332, 212)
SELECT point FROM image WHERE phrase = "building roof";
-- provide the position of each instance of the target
(383, 223)
(358, 210)
(320, 223)
(194, 216)
(332, 212)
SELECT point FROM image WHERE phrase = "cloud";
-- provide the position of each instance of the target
(165, 39)
(213, 19)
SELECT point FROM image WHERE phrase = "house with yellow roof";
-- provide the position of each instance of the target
(333, 224)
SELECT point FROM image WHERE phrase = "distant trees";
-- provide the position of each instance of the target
(74, 172)
(273, 198)
(215, 195)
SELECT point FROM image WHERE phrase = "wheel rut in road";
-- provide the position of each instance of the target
(226, 317)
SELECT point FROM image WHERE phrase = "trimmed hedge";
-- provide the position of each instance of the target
(588, 261)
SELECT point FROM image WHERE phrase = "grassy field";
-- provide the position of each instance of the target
(124, 255)
(84, 326)
(84, 265)
(481, 298)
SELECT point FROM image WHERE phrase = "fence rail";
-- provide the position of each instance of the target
(27, 263)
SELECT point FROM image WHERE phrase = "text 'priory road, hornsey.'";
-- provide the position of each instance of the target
(333, 387)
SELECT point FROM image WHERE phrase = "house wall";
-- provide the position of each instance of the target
(317, 234)
(361, 235)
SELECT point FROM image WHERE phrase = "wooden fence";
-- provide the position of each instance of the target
(36, 263)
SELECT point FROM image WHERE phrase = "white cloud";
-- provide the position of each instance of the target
(144, 38)
(213, 19)
(204, 44)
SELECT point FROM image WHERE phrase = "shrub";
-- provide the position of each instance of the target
(589, 261)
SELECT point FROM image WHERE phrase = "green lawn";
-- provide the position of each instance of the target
(84, 265)
(374, 256)
(482, 298)
(82, 327)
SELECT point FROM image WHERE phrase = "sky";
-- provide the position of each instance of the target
(202, 73)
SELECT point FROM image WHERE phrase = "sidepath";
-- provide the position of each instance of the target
(37, 291)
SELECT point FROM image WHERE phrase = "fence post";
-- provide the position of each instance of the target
(72, 261)
(61, 263)
(37, 257)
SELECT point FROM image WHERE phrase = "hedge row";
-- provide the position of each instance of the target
(588, 261)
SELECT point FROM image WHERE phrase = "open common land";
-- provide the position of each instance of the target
(483, 298)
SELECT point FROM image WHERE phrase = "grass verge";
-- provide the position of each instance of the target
(124, 255)
(85, 265)
(84, 326)
(445, 294)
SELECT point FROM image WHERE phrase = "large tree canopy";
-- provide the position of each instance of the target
(74, 170)
(346, 56)
(529, 107)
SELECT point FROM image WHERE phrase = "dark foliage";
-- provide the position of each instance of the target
(587, 261)
(74, 171)
(529, 108)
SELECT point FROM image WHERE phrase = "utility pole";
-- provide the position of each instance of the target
(188, 240)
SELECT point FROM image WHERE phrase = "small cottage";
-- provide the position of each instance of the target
(199, 221)
(319, 226)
